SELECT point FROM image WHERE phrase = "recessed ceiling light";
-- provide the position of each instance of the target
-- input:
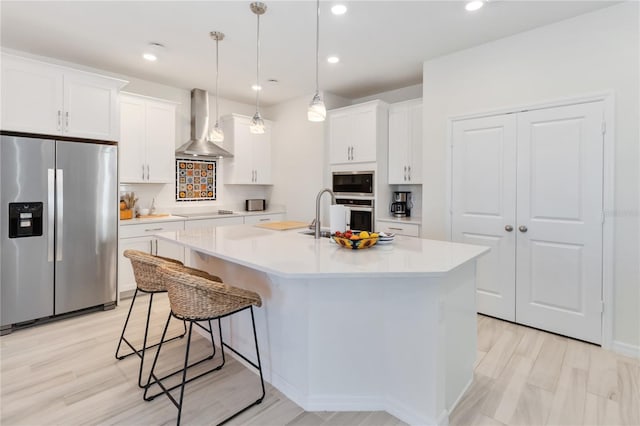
(333, 59)
(256, 87)
(151, 52)
(339, 9)
(474, 5)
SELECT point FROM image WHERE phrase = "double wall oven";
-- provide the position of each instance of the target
(354, 190)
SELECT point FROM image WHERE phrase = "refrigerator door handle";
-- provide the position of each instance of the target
(50, 212)
(60, 212)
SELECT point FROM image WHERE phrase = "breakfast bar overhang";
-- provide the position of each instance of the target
(386, 328)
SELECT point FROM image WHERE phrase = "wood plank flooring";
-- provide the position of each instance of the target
(64, 373)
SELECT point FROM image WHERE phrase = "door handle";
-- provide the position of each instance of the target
(50, 212)
(59, 212)
(523, 228)
(508, 228)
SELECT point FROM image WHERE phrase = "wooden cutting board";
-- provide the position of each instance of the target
(283, 226)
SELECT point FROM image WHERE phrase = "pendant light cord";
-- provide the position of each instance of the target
(317, 42)
(217, 76)
(258, 68)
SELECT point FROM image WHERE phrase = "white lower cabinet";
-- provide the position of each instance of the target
(263, 218)
(391, 227)
(141, 237)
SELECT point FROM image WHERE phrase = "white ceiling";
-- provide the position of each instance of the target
(382, 44)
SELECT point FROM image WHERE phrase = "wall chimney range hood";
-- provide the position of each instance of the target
(199, 144)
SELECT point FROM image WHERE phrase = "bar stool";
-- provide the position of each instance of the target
(195, 298)
(149, 281)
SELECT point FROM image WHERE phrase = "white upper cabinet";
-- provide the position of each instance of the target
(405, 142)
(355, 132)
(53, 100)
(251, 162)
(147, 139)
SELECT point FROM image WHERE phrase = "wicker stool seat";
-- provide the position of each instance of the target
(148, 280)
(197, 298)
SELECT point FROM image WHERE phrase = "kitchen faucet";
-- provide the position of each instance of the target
(317, 220)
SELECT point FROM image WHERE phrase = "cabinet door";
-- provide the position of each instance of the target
(261, 154)
(168, 249)
(31, 96)
(399, 135)
(126, 280)
(340, 138)
(160, 142)
(132, 140)
(414, 156)
(90, 107)
(363, 135)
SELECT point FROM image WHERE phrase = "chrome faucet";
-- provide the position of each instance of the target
(317, 219)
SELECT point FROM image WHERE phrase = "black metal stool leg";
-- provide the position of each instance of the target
(155, 360)
(124, 328)
(144, 341)
(184, 372)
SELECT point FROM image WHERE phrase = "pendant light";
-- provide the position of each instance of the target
(216, 134)
(317, 110)
(257, 124)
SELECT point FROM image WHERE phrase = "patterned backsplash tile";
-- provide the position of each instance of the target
(195, 180)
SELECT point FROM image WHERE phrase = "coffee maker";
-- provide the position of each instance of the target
(401, 204)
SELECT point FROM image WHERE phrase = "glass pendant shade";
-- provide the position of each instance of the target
(257, 124)
(316, 110)
(216, 134)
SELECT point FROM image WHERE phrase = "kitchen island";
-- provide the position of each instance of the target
(389, 328)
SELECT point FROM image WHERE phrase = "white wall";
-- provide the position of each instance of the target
(299, 155)
(591, 53)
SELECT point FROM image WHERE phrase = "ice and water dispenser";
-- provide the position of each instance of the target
(25, 220)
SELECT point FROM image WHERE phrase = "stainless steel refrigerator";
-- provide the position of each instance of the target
(59, 207)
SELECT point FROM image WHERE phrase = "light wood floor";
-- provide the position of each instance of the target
(65, 373)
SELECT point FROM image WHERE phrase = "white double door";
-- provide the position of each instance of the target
(529, 185)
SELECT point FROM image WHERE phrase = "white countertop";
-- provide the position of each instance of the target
(199, 216)
(294, 255)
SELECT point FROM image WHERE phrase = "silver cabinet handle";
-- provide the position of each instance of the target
(409, 173)
(523, 228)
(150, 246)
(50, 212)
(66, 115)
(352, 149)
(59, 212)
(59, 120)
(265, 220)
(143, 172)
(147, 172)
(396, 229)
(156, 247)
(405, 173)
(256, 175)
(153, 229)
(508, 228)
(348, 153)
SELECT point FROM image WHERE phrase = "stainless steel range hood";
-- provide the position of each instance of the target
(199, 145)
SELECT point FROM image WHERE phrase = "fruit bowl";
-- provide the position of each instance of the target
(355, 244)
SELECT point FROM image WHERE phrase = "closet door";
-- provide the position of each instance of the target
(483, 205)
(559, 226)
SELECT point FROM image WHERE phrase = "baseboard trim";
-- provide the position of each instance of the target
(626, 349)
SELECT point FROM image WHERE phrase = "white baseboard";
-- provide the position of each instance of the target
(626, 349)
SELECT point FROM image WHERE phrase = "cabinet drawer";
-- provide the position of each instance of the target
(144, 229)
(263, 218)
(408, 229)
(207, 223)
